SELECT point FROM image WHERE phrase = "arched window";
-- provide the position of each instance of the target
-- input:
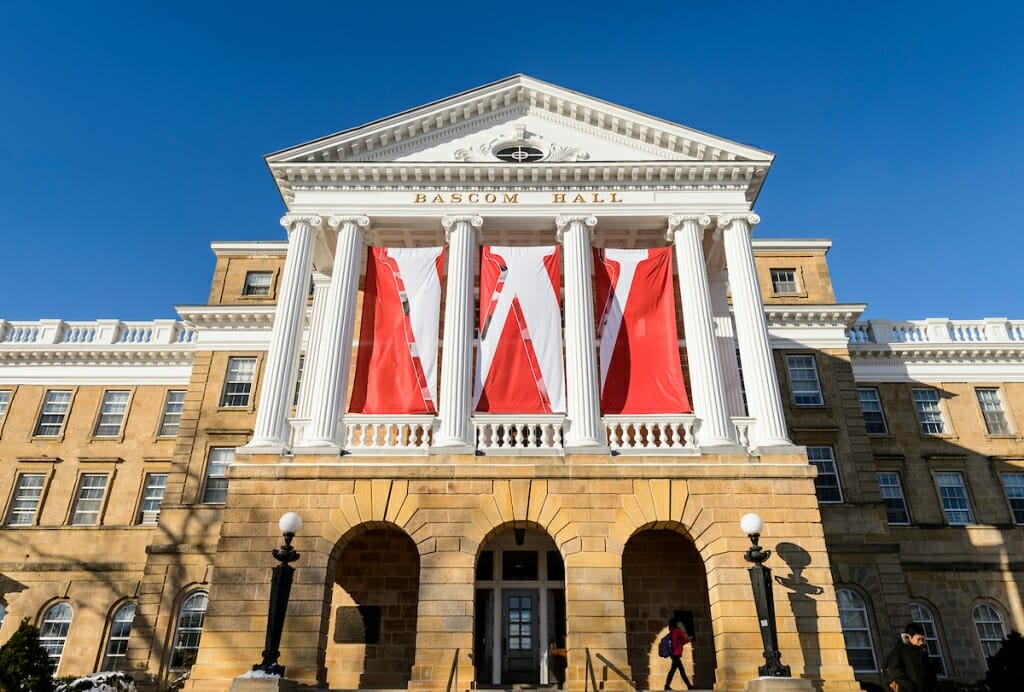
(853, 617)
(922, 615)
(991, 631)
(189, 630)
(53, 633)
(117, 642)
(3, 614)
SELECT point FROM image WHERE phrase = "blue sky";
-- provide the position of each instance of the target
(132, 133)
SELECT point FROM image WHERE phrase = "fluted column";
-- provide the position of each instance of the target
(304, 406)
(762, 384)
(584, 428)
(334, 353)
(706, 380)
(454, 429)
(271, 428)
(725, 337)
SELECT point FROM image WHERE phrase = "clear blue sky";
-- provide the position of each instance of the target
(132, 133)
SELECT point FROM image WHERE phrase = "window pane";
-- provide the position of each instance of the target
(90, 499)
(784, 281)
(5, 400)
(112, 414)
(53, 633)
(923, 616)
(117, 643)
(892, 495)
(51, 418)
(953, 494)
(188, 631)
(853, 618)
(257, 284)
(152, 496)
(803, 376)
(991, 632)
(992, 410)
(216, 490)
(26, 499)
(826, 485)
(172, 413)
(238, 384)
(1014, 484)
(926, 402)
(871, 407)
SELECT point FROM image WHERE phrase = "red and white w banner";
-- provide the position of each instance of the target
(396, 370)
(640, 368)
(519, 360)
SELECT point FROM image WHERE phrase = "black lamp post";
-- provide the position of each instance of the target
(761, 582)
(280, 588)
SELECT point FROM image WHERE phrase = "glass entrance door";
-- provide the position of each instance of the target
(520, 648)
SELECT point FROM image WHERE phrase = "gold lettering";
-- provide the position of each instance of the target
(558, 198)
(438, 199)
(579, 199)
(473, 198)
(598, 199)
(511, 198)
(420, 198)
(455, 198)
(615, 198)
(490, 198)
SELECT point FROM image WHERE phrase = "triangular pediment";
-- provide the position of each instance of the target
(518, 116)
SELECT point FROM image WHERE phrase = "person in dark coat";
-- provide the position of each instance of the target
(908, 667)
(679, 640)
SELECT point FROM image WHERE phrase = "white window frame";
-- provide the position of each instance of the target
(238, 382)
(112, 413)
(54, 413)
(954, 498)
(871, 407)
(254, 286)
(784, 285)
(215, 487)
(892, 492)
(990, 401)
(986, 617)
(823, 458)
(188, 629)
(53, 631)
(92, 489)
(26, 495)
(854, 620)
(799, 365)
(115, 653)
(152, 497)
(170, 420)
(922, 615)
(1015, 494)
(5, 401)
(929, 411)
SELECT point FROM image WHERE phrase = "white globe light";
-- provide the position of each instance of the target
(751, 523)
(290, 522)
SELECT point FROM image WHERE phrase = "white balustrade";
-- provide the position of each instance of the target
(669, 434)
(98, 332)
(387, 435)
(521, 434)
(743, 425)
(937, 330)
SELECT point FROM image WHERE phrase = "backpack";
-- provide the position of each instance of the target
(665, 646)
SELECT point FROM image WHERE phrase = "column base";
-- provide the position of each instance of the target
(779, 448)
(266, 447)
(452, 447)
(587, 447)
(262, 683)
(723, 449)
(777, 685)
(318, 449)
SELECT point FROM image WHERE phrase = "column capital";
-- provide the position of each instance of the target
(752, 219)
(563, 222)
(450, 222)
(362, 221)
(289, 220)
(677, 220)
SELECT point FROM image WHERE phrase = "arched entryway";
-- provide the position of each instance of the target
(519, 608)
(371, 636)
(663, 576)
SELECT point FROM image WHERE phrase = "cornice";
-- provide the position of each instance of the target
(232, 317)
(933, 354)
(242, 248)
(78, 354)
(840, 315)
(791, 245)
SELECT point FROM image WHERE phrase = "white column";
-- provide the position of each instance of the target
(718, 283)
(454, 430)
(271, 428)
(304, 406)
(584, 428)
(762, 384)
(706, 381)
(334, 353)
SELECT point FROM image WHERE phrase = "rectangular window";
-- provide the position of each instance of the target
(871, 408)
(929, 415)
(803, 376)
(238, 385)
(172, 413)
(298, 379)
(953, 494)
(257, 283)
(27, 493)
(90, 499)
(892, 495)
(826, 485)
(5, 400)
(992, 410)
(216, 489)
(152, 496)
(111, 414)
(784, 281)
(55, 410)
(1014, 484)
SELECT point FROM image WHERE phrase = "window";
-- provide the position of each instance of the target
(55, 409)
(90, 499)
(257, 283)
(991, 631)
(53, 633)
(216, 490)
(853, 618)
(5, 400)
(871, 408)
(922, 615)
(992, 410)
(189, 631)
(171, 420)
(926, 402)
(826, 485)
(117, 641)
(238, 384)
(519, 154)
(784, 281)
(111, 414)
(803, 376)
(953, 494)
(27, 493)
(1014, 485)
(298, 379)
(892, 495)
(152, 496)
(3, 614)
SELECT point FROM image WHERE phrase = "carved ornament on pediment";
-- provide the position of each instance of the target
(520, 146)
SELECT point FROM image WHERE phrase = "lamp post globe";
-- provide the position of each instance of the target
(290, 523)
(751, 523)
(280, 588)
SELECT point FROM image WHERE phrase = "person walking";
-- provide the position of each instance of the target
(679, 640)
(908, 668)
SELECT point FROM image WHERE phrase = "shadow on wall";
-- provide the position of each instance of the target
(805, 608)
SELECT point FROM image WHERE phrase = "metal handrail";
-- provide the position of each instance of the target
(453, 673)
(615, 670)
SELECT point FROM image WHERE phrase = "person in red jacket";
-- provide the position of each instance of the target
(679, 640)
